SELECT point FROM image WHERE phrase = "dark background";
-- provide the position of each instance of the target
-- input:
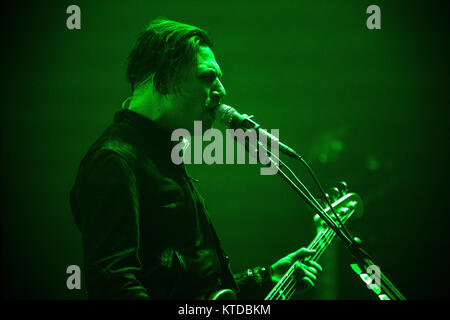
(364, 106)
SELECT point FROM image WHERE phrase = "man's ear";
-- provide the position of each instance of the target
(126, 103)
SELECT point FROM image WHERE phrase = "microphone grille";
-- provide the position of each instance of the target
(225, 113)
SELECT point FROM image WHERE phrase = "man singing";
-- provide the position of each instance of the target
(145, 228)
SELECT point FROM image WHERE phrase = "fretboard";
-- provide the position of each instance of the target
(285, 288)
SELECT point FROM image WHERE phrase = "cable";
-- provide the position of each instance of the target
(312, 200)
(344, 228)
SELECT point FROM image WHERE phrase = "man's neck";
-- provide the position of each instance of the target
(148, 103)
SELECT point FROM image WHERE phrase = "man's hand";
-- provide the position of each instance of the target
(307, 270)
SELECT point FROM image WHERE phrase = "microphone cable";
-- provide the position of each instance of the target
(318, 207)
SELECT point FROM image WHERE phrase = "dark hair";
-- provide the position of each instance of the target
(165, 49)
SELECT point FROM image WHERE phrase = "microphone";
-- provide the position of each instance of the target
(234, 120)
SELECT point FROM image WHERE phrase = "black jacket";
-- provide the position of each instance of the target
(145, 228)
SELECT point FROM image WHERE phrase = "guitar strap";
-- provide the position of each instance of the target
(227, 279)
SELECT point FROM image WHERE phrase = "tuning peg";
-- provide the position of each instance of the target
(319, 222)
(333, 194)
(342, 187)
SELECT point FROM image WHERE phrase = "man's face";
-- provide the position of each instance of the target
(200, 93)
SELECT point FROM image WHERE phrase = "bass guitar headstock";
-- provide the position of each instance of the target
(346, 205)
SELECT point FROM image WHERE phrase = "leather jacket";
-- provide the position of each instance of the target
(145, 228)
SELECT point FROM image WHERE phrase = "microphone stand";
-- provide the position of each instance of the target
(382, 287)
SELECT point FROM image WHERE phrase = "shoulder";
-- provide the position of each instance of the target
(111, 157)
(115, 146)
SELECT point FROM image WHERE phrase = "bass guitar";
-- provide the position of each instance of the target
(348, 205)
(345, 207)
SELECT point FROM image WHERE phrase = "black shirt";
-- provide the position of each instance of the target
(145, 228)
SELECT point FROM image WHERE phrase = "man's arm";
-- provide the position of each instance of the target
(256, 283)
(105, 201)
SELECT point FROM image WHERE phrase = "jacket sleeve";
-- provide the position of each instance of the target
(106, 207)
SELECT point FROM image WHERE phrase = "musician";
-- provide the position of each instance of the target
(145, 228)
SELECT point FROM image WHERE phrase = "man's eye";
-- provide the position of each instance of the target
(209, 77)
